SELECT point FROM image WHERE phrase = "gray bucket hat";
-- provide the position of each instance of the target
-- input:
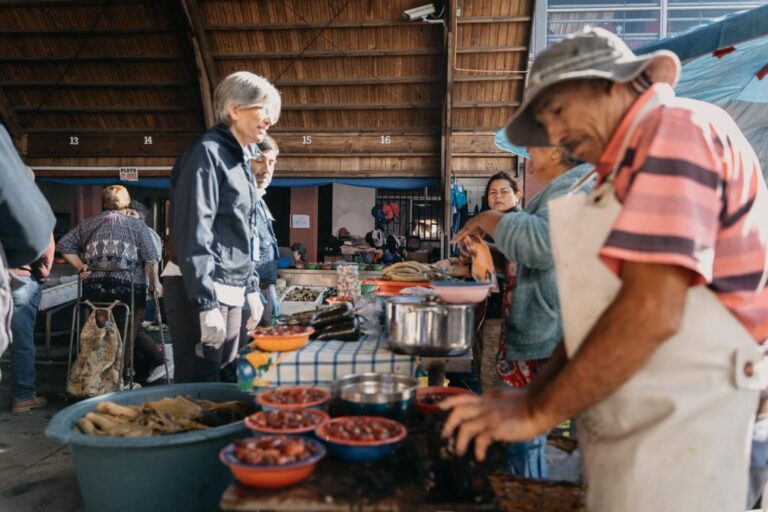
(594, 53)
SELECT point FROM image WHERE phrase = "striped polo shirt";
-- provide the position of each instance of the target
(693, 195)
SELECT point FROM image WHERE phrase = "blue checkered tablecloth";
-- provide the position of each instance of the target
(320, 363)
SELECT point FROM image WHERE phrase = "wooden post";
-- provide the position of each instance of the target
(447, 164)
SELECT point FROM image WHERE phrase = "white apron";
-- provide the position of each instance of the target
(675, 437)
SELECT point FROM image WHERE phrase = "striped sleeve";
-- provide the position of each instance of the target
(671, 192)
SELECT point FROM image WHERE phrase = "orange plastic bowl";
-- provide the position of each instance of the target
(286, 343)
(272, 477)
(266, 402)
(319, 418)
(386, 288)
(425, 405)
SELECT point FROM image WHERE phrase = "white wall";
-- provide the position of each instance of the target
(352, 209)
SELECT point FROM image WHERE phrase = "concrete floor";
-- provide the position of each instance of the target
(36, 474)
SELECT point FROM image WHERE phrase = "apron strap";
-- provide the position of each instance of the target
(583, 181)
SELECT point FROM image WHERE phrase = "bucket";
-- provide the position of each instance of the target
(157, 473)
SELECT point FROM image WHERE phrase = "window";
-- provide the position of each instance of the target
(637, 22)
(420, 212)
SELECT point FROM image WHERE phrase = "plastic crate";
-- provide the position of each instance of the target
(289, 307)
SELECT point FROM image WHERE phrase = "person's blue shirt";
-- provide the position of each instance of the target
(533, 324)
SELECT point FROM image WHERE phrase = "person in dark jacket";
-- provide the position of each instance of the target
(26, 245)
(215, 231)
(263, 170)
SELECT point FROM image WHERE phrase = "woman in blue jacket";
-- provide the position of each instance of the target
(215, 230)
(532, 326)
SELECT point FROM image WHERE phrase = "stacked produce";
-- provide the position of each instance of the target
(348, 281)
(166, 416)
(339, 322)
(413, 271)
(302, 295)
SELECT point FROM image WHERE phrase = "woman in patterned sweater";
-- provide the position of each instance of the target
(114, 241)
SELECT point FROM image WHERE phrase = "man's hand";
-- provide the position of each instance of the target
(213, 329)
(499, 415)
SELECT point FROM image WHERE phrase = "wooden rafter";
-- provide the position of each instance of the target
(340, 53)
(206, 68)
(150, 84)
(300, 26)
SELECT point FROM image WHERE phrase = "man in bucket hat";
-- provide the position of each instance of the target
(666, 307)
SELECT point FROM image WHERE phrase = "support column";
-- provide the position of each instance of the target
(304, 201)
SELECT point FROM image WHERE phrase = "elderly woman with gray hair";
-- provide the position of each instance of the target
(215, 238)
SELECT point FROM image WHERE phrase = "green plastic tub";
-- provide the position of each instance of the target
(160, 473)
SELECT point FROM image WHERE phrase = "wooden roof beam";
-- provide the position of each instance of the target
(75, 3)
(493, 19)
(91, 58)
(248, 27)
(359, 81)
(95, 85)
(207, 72)
(488, 78)
(361, 106)
(85, 32)
(492, 49)
(329, 54)
(485, 104)
(104, 109)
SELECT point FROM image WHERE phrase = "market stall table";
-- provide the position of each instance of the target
(404, 481)
(306, 277)
(322, 362)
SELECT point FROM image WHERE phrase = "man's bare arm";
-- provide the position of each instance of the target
(647, 311)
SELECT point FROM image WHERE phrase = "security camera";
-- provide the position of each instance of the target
(419, 13)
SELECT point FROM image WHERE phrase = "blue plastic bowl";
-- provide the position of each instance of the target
(358, 451)
(284, 262)
(172, 472)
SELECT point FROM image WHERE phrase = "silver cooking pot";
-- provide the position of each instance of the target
(422, 326)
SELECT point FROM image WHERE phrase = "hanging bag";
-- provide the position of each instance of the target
(97, 369)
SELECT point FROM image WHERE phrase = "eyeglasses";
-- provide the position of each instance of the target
(252, 107)
(501, 192)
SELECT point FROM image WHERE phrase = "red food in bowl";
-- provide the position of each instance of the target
(285, 421)
(428, 399)
(272, 461)
(273, 450)
(362, 430)
(298, 397)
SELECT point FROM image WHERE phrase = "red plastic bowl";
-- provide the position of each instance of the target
(263, 399)
(360, 451)
(423, 404)
(320, 417)
(271, 477)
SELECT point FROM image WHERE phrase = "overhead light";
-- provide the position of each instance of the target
(419, 13)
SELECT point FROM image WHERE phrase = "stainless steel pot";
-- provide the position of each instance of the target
(428, 328)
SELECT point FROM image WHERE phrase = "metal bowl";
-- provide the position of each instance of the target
(376, 394)
(375, 388)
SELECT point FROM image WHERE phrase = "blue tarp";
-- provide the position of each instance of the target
(731, 80)
(387, 183)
